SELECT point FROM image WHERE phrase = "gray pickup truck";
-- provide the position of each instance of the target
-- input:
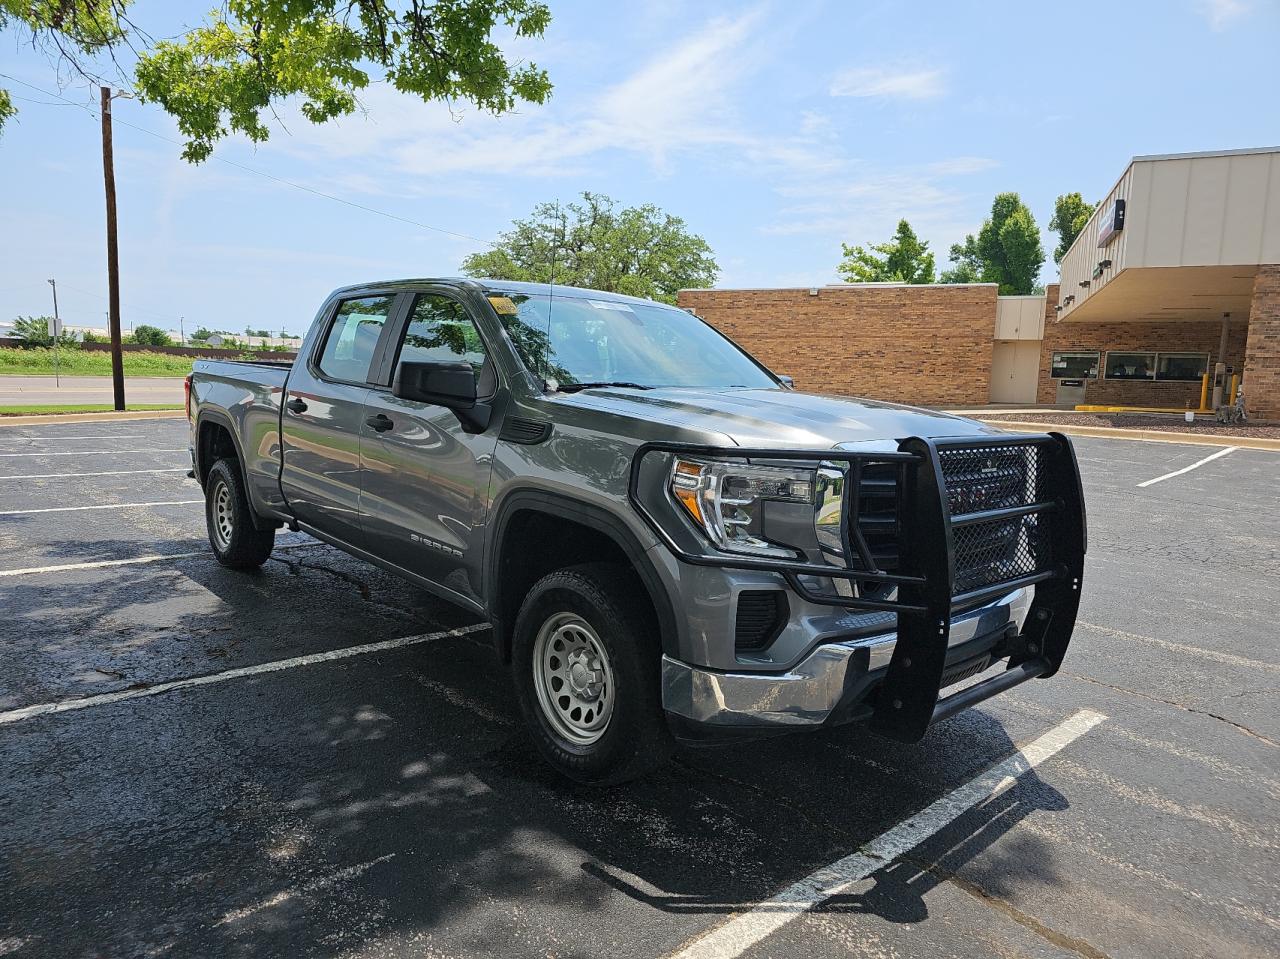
(671, 543)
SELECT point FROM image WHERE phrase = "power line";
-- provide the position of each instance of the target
(132, 309)
(97, 296)
(261, 173)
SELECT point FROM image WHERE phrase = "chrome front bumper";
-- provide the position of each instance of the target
(835, 676)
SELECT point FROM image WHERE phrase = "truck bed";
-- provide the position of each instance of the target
(245, 396)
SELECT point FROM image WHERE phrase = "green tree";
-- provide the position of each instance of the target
(1007, 249)
(229, 73)
(1070, 214)
(151, 336)
(34, 331)
(904, 259)
(640, 251)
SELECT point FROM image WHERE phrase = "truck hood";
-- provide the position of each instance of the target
(777, 418)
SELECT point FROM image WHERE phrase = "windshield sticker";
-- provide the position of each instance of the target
(503, 305)
(611, 305)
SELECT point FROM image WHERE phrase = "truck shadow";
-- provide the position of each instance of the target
(309, 811)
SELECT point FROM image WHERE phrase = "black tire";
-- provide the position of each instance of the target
(237, 542)
(635, 741)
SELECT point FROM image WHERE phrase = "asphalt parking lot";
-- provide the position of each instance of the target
(387, 803)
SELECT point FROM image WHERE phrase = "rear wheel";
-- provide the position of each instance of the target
(237, 542)
(587, 667)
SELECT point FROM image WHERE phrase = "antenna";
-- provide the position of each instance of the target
(551, 303)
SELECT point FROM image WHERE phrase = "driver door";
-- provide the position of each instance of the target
(424, 479)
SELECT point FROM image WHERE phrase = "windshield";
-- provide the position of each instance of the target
(607, 341)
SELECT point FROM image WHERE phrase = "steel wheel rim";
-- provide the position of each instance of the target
(573, 678)
(223, 524)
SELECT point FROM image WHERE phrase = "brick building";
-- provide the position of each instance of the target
(928, 344)
(1176, 275)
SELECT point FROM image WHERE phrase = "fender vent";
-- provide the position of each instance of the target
(518, 429)
(761, 615)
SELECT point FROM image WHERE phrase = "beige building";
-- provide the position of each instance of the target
(1181, 261)
(1176, 275)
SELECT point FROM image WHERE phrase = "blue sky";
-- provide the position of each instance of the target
(775, 129)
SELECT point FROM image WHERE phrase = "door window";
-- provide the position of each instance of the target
(440, 330)
(353, 338)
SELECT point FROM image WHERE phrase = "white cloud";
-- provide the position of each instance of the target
(863, 202)
(896, 83)
(677, 102)
(1222, 13)
(684, 101)
(962, 166)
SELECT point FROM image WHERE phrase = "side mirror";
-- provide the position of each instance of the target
(787, 381)
(450, 384)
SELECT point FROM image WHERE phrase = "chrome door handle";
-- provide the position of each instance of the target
(381, 422)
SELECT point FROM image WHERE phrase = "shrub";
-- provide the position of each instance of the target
(151, 336)
(34, 331)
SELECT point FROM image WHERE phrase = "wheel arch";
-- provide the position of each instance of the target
(215, 437)
(518, 518)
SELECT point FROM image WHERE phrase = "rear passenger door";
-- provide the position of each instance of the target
(323, 413)
(425, 484)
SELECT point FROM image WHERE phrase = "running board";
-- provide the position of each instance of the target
(979, 692)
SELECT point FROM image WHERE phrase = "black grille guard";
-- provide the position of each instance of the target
(907, 701)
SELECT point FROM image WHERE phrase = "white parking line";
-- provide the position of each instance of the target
(76, 509)
(1181, 649)
(93, 452)
(743, 931)
(100, 436)
(135, 561)
(1187, 469)
(167, 469)
(88, 702)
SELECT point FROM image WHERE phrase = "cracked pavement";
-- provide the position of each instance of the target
(390, 805)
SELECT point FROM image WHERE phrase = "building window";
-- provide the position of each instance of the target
(1182, 366)
(1075, 366)
(1131, 366)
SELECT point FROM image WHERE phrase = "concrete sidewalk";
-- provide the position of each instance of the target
(43, 390)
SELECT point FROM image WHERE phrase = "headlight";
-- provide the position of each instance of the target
(727, 500)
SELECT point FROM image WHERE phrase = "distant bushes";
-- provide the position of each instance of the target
(38, 361)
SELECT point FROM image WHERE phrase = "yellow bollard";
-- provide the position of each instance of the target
(1204, 393)
(1235, 382)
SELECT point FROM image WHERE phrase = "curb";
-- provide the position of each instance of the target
(91, 417)
(1148, 436)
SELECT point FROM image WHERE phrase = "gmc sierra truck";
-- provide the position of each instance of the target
(670, 542)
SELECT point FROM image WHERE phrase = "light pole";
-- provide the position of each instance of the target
(55, 333)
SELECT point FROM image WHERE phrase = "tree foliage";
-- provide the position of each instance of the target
(640, 251)
(1007, 249)
(34, 331)
(151, 336)
(903, 259)
(230, 72)
(1070, 214)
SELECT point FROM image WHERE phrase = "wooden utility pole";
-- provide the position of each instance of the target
(113, 253)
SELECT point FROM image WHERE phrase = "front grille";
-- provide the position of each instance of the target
(995, 551)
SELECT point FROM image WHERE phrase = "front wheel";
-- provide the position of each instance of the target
(587, 666)
(237, 542)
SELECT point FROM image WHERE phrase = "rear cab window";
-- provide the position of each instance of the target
(352, 340)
